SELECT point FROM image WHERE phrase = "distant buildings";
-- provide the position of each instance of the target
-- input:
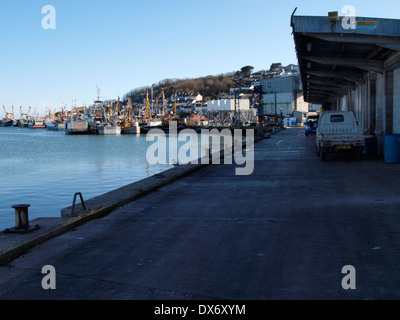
(282, 92)
(187, 102)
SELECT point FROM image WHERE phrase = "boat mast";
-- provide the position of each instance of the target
(176, 97)
(147, 104)
(163, 93)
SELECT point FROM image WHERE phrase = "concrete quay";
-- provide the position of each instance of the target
(284, 232)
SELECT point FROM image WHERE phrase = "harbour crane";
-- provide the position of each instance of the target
(147, 112)
(158, 100)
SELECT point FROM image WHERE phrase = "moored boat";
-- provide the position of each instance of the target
(130, 127)
(8, 123)
(109, 129)
(55, 126)
(36, 124)
(76, 126)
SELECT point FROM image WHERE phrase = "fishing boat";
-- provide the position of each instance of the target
(55, 125)
(130, 127)
(151, 122)
(51, 125)
(25, 123)
(95, 118)
(75, 126)
(8, 123)
(61, 126)
(37, 124)
(109, 128)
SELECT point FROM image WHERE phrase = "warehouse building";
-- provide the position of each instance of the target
(353, 68)
(283, 95)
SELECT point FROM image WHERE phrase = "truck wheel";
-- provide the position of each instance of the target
(323, 156)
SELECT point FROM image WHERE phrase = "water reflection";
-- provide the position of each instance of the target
(46, 168)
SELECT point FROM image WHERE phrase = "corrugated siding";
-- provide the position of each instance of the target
(396, 101)
(283, 101)
(379, 105)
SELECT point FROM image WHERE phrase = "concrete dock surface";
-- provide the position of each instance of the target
(284, 232)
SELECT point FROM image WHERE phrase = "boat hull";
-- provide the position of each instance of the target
(130, 130)
(55, 126)
(8, 123)
(77, 127)
(109, 130)
(36, 126)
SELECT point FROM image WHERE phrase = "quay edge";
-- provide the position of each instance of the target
(12, 245)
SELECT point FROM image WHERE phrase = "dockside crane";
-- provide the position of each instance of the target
(158, 100)
(147, 111)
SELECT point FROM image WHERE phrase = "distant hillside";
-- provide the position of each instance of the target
(209, 87)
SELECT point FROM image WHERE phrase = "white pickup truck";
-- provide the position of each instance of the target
(338, 131)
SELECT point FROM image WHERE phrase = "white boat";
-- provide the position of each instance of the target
(37, 124)
(154, 123)
(109, 129)
(76, 126)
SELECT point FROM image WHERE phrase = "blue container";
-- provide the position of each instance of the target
(391, 148)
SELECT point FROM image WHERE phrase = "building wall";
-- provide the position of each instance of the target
(376, 105)
(283, 93)
(301, 105)
(396, 101)
(227, 105)
(389, 101)
(280, 85)
(274, 102)
(379, 125)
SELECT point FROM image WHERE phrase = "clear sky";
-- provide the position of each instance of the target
(124, 44)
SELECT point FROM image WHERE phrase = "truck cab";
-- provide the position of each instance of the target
(338, 132)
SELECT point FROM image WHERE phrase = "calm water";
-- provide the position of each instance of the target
(45, 169)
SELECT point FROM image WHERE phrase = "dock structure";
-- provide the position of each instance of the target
(352, 66)
(288, 231)
(284, 232)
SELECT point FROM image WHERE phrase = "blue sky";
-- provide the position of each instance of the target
(124, 44)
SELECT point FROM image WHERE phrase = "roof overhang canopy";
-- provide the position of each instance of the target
(333, 59)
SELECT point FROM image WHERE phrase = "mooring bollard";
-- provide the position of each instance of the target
(21, 216)
(21, 220)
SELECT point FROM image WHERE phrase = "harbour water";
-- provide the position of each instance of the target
(46, 168)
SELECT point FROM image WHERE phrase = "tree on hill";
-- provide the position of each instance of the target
(209, 87)
(246, 71)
